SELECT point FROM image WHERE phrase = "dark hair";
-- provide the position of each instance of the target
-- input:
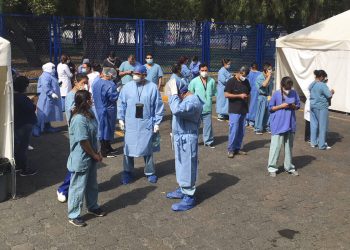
(20, 84)
(97, 67)
(176, 68)
(225, 61)
(245, 70)
(286, 82)
(149, 54)
(111, 54)
(81, 105)
(254, 65)
(195, 58)
(266, 66)
(64, 58)
(80, 77)
(132, 56)
(182, 59)
(88, 65)
(202, 65)
(320, 73)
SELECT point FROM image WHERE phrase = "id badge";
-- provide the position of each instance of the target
(139, 110)
(268, 98)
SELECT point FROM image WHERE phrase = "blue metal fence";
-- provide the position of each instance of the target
(36, 40)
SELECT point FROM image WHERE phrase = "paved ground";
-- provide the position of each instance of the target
(239, 206)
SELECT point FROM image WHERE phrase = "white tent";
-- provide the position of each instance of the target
(6, 106)
(325, 45)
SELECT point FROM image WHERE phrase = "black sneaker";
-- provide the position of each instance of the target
(111, 154)
(28, 172)
(97, 212)
(211, 145)
(78, 222)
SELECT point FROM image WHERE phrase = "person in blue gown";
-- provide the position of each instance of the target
(49, 107)
(221, 101)
(140, 112)
(194, 67)
(253, 74)
(186, 109)
(185, 71)
(154, 71)
(105, 96)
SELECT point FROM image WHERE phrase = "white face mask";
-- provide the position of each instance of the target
(204, 74)
(228, 66)
(149, 61)
(286, 91)
(86, 87)
(136, 78)
(242, 78)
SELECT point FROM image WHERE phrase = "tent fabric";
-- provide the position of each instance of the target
(300, 53)
(6, 101)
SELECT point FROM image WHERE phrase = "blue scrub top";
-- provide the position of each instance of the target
(81, 128)
(126, 66)
(263, 90)
(319, 95)
(69, 104)
(154, 73)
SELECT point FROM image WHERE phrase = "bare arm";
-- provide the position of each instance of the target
(267, 80)
(278, 107)
(160, 81)
(234, 96)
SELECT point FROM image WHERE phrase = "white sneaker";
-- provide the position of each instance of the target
(30, 148)
(61, 197)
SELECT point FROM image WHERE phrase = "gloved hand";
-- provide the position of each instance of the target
(156, 128)
(121, 125)
(173, 87)
(54, 96)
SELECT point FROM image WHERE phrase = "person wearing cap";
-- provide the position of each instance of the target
(49, 107)
(80, 68)
(186, 109)
(204, 86)
(154, 71)
(140, 112)
(237, 91)
(126, 69)
(105, 96)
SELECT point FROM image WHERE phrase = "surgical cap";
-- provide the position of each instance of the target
(48, 67)
(140, 69)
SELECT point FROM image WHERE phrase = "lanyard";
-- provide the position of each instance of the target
(204, 85)
(139, 93)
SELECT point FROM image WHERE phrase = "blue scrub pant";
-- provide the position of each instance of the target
(318, 127)
(236, 132)
(262, 114)
(65, 185)
(186, 162)
(63, 102)
(83, 184)
(128, 164)
(276, 143)
(208, 137)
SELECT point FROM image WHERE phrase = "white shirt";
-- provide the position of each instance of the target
(92, 76)
(64, 76)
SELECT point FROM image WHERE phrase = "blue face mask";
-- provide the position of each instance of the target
(83, 70)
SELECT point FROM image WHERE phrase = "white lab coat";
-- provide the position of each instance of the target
(64, 76)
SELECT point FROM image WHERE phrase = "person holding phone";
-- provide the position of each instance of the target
(140, 112)
(126, 69)
(282, 107)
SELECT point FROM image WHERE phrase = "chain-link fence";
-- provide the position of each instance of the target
(36, 40)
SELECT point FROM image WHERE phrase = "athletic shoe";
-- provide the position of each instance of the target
(97, 212)
(230, 155)
(111, 154)
(176, 194)
(258, 132)
(61, 197)
(78, 222)
(211, 145)
(240, 152)
(185, 204)
(272, 174)
(28, 172)
(152, 178)
(294, 173)
(313, 146)
(221, 119)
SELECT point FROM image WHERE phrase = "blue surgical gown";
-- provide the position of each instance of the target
(126, 66)
(253, 95)
(48, 109)
(154, 73)
(221, 101)
(105, 99)
(139, 131)
(194, 67)
(186, 73)
(179, 79)
(185, 124)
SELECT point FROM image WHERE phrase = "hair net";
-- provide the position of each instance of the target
(49, 67)
(140, 69)
(86, 60)
(109, 72)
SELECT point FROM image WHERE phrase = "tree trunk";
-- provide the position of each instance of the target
(101, 29)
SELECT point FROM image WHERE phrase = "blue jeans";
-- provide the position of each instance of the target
(22, 136)
(65, 185)
(128, 164)
(236, 132)
(262, 114)
(82, 184)
(208, 137)
(318, 127)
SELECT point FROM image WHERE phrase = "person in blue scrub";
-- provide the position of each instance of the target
(186, 109)
(320, 97)
(253, 74)
(194, 67)
(154, 71)
(176, 73)
(237, 91)
(264, 84)
(140, 112)
(185, 71)
(126, 69)
(282, 106)
(80, 83)
(82, 160)
(105, 95)
(221, 101)
(49, 107)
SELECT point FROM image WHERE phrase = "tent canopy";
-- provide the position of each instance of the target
(324, 45)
